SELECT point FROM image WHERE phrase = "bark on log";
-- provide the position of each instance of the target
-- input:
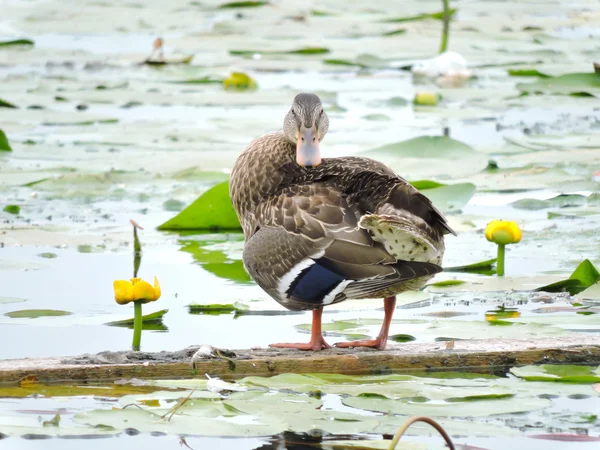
(485, 356)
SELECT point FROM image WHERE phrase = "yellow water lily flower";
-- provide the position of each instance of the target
(503, 232)
(136, 289)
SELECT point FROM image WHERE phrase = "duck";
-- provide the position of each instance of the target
(318, 231)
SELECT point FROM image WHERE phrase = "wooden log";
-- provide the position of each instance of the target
(485, 356)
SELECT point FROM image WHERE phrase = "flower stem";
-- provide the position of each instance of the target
(446, 29)
(137, 325)
(500, 262)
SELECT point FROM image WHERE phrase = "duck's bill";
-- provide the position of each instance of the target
(308, 153)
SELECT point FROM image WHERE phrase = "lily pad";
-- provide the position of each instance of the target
(211, 211)
(216, 261)
(563, 373)
(298, 51)
(587, 84)
(243, 4)
(4, 145)
(12, 209)
(451, 197)
(584, 276)
(527, 73)
(203, 80)
(35, 313)
(446, 283)
(17, 43)
(436, 15)
(426, 147)
(5, 104)
(217, 308)
(152, 318)
(483, 267)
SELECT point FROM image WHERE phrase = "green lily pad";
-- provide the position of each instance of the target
(243, 4)
(12, 209)
(402, 338)
(203, 80)
(563, 373)
(298, 51)
(527, 73)
(35, 313)
(395, 32)
(483, 267)
(17, 43)
(426, 147)
(446, 283)
(584, 276)
(436, 15)
(211, 211)
(4, 145)
(152, 318)
(423, 185)
(458, 408)
(217, 308)
(5, 104)
(587, 84)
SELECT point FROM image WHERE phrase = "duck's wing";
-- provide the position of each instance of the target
(309, 250)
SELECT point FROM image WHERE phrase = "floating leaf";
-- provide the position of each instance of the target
(12, 209)
(204, 80)
(166, 62)
(554, 372)
(426, 99)
(426, 184)
(436, 15)
(17, 43)
(401, 338)
(35, 313)
(584, 276)
(527, 73)
(5, 104)
(426, 147)
(565, 437)
(48, 255)
(299, 51)
(217, 308)
(587, 84)
(395, 32)
(211, 211)
(243, 4)
(446, 283)
(152, 318)
(482, 267)
(239, 81)
(4, 145)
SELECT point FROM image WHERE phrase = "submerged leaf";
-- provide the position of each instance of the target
(211, 211)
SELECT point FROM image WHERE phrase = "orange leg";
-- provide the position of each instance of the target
(389, 304)
(316, 337)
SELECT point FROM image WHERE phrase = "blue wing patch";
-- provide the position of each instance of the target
(313, 284)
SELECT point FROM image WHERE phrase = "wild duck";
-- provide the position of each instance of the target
(319, 231)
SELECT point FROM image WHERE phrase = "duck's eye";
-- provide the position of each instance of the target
(321, 111)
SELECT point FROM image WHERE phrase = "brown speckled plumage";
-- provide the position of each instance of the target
(354, 216)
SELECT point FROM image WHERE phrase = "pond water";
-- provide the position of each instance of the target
(99, 139)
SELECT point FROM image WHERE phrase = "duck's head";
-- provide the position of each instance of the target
(305, 125)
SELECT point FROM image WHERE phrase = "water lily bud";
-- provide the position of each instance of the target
(240, 81)
(136, 289)
(426, 98)
(503, 232)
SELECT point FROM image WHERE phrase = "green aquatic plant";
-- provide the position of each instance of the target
(136, 290)
(502, 233)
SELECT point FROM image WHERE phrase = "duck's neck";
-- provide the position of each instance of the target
(257, 175)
